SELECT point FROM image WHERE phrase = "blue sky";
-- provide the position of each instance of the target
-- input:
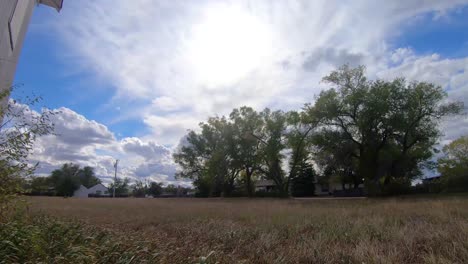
(136, 75)
(446, 36)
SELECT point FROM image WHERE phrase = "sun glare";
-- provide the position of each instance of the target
(226, 45)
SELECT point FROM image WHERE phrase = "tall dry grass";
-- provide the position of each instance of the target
(278, 231)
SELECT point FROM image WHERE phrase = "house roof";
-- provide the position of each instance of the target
(97, 187)
(57, 4)
(82, 187)
(263, 183)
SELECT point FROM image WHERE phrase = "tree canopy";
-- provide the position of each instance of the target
(65, 180)
(373, 132)
(454, 165)
(389, 126)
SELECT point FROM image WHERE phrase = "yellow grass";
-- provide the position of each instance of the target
(280, 231)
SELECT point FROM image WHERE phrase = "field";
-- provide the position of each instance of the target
(277, 231)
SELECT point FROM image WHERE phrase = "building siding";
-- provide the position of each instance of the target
(8, 56)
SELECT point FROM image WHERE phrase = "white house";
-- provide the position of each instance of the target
(98, 190)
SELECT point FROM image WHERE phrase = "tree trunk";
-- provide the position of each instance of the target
(368, 169)
(248, 181)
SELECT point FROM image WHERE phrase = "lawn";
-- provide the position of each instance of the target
(276, 231)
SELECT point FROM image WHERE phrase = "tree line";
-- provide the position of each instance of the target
(63, 181)
(68, 178)
(376, 133)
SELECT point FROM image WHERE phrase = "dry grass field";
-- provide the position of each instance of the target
(278, 231)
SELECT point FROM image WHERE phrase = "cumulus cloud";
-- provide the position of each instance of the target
(89, 143)
(148, 150)
(74, 129)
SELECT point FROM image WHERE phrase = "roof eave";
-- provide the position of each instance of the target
(57, 4)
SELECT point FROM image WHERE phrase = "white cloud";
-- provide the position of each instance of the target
(184, 61)
(148, 150)
(89, 143)
(73, 128)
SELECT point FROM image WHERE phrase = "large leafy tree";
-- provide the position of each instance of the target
(88, 177)
(69, 177)
(336, 156)
(207, 158)
(155, 189)
(271, 149)
(377, 132)
(454, 165)
(66, 179)
(392, 124)
(285, 138)
(245, 146)
(247, 125)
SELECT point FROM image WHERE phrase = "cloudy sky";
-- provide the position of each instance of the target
(131, 77)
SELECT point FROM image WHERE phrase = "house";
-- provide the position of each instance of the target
(265, 186)
(433, 179)
(322, 189)
(336, 189)
(14, 19)
(97, 190)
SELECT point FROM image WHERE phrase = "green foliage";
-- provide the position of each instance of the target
(336, 156)
(66, 180)
(121, 186)
(19, 128)
(40, 186)
(171, 189)
(246, 145)
(87, 177)
(210, 158)
(155, 189)
(454, 166)
(48, 240)
(380, 133)
(272, 144)
(247, 125)
(391, 124)
(303, 182)
(139, 189)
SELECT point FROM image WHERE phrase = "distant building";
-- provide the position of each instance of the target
(433, 179)
(14, 20)
(338, 189)
(96, 190)
(323, 188)
(265, 186)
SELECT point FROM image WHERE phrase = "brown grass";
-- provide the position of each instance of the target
(280, 231)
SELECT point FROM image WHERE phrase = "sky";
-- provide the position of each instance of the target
(130, 78)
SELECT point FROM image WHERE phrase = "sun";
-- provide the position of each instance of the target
(226, 45)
